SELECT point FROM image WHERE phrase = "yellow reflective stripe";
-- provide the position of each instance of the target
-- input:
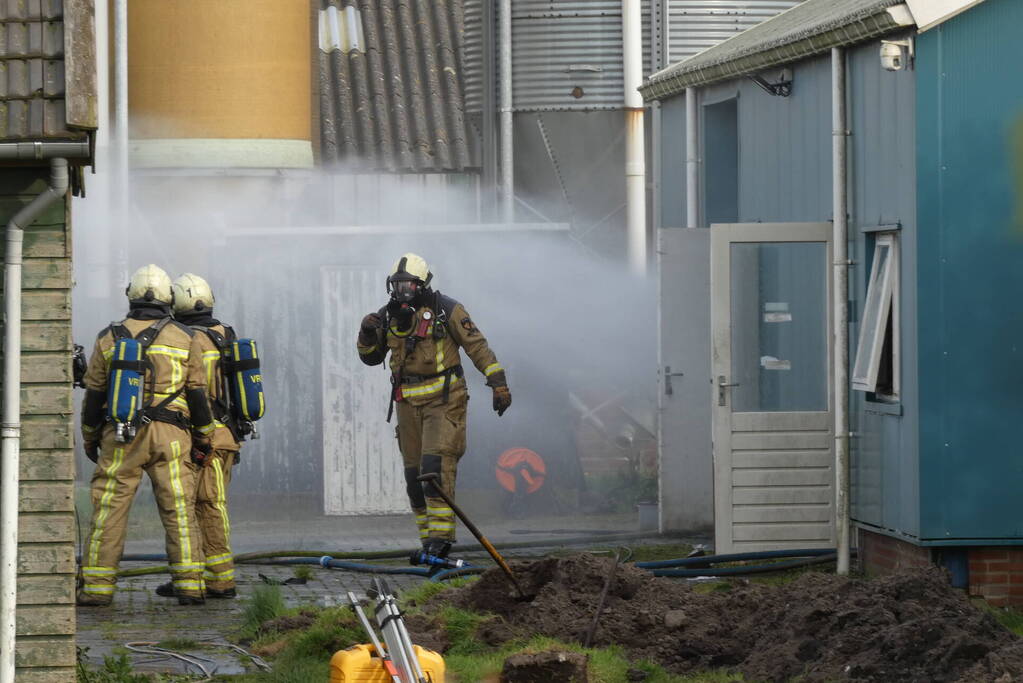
(240, 378)
(162, 350)
(220, 576)
(492, 368)
(221, 502)
(424, 533)
(396, 333)
(98, 571)
(108, 354)
(440, 511)
(87, 428)
(188, 585)
(442, 526)
(181, 511)
(206, 430)
(117, 387)
(440, 355)
(366, 350)
(104, 506)
(189, 567)
(219, 559)
(207, 355)
(99, 588)
(431, 387)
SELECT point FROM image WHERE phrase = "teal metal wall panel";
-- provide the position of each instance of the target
(882, 157)
(970, 204)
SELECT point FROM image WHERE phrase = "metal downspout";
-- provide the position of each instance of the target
(507, 151)
(635, 142)
(840, 288)
(692, 160)
(10, 431)
(121, 187)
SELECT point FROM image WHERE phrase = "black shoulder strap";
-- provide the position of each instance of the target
(229, 333)
(444, 305)
(149, 335)
(219, 340)
(117, 331)
(183, 327)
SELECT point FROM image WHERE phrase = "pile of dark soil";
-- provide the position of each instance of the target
(910, 626)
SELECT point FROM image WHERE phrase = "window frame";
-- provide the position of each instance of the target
(871, 340)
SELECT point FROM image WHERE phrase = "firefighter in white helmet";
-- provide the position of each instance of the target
(171, 429)
(193, 306)
(423, 330)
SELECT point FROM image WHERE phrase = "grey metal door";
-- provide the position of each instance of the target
(362, 469)
(771, 386)
(686, 472)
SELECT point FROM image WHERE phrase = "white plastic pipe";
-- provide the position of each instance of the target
(840, 289)
(507, 131)
(692, 160)
(10, 430)
(635, 147)
(121, 185)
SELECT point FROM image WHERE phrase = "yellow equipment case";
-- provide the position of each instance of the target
(358, 664)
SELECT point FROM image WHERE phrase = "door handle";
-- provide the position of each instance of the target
(722, 394)
(668, 374)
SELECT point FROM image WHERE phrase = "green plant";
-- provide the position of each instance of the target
(265, 604)
(302, 571)
(116, 669)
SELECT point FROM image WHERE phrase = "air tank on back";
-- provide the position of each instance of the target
(223, 84)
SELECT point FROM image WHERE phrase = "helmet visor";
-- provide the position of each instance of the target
(405, 290)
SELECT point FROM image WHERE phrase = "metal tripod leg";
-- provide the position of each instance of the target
(384, 655)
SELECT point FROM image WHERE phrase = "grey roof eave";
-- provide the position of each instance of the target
(674, 81)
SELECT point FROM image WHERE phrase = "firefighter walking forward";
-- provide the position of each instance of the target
(423, 330)
(173, 423)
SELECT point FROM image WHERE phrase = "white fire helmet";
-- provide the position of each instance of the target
(150, 284)
(191, 294)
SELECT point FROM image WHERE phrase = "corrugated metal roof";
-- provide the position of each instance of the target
(33, 93)
(806, 29)
(391, 85)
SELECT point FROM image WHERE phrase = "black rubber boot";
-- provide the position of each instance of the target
(191, 600)
(224, 594)
(166, 590)
(438, 547)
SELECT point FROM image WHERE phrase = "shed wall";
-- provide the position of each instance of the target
(970, 181)
(46, 526)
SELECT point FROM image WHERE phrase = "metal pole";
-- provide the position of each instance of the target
(840, 337)
(121, 186)
(507, 151)
(10, 430)
(635, 144)
(692, 160)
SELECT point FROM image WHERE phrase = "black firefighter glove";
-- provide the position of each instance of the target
(502, 400)
(201, 449)
(368, 332)
(92, 451)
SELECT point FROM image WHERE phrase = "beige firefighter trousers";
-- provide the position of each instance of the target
(162, 451)
(426, 433)
(214, 523)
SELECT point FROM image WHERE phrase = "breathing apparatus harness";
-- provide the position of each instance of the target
(226, 405)
(442, 307)
(129, 375)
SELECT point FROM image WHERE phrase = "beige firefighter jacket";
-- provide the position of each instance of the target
(176, 356)
(422, 370)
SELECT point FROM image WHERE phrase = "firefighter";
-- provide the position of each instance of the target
(173, 428)
(193, 306)
(422, 330)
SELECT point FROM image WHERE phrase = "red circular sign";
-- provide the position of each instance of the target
(521, 464)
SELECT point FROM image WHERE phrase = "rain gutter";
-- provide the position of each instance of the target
(674, 80)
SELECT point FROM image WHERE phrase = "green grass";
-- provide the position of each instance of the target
(265, 604)
(303, 571)
(1010, 618)
(178, 644)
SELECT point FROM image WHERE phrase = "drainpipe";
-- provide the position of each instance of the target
(121, 187)
(692, 161)
(507, 153)
(10, 431)
(840, 288)
(635, 151)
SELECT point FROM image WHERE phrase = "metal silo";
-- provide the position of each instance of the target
(225, 84)
(695, 25)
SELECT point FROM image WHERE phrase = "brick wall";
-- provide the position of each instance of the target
(879, 553)
(996, 574)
